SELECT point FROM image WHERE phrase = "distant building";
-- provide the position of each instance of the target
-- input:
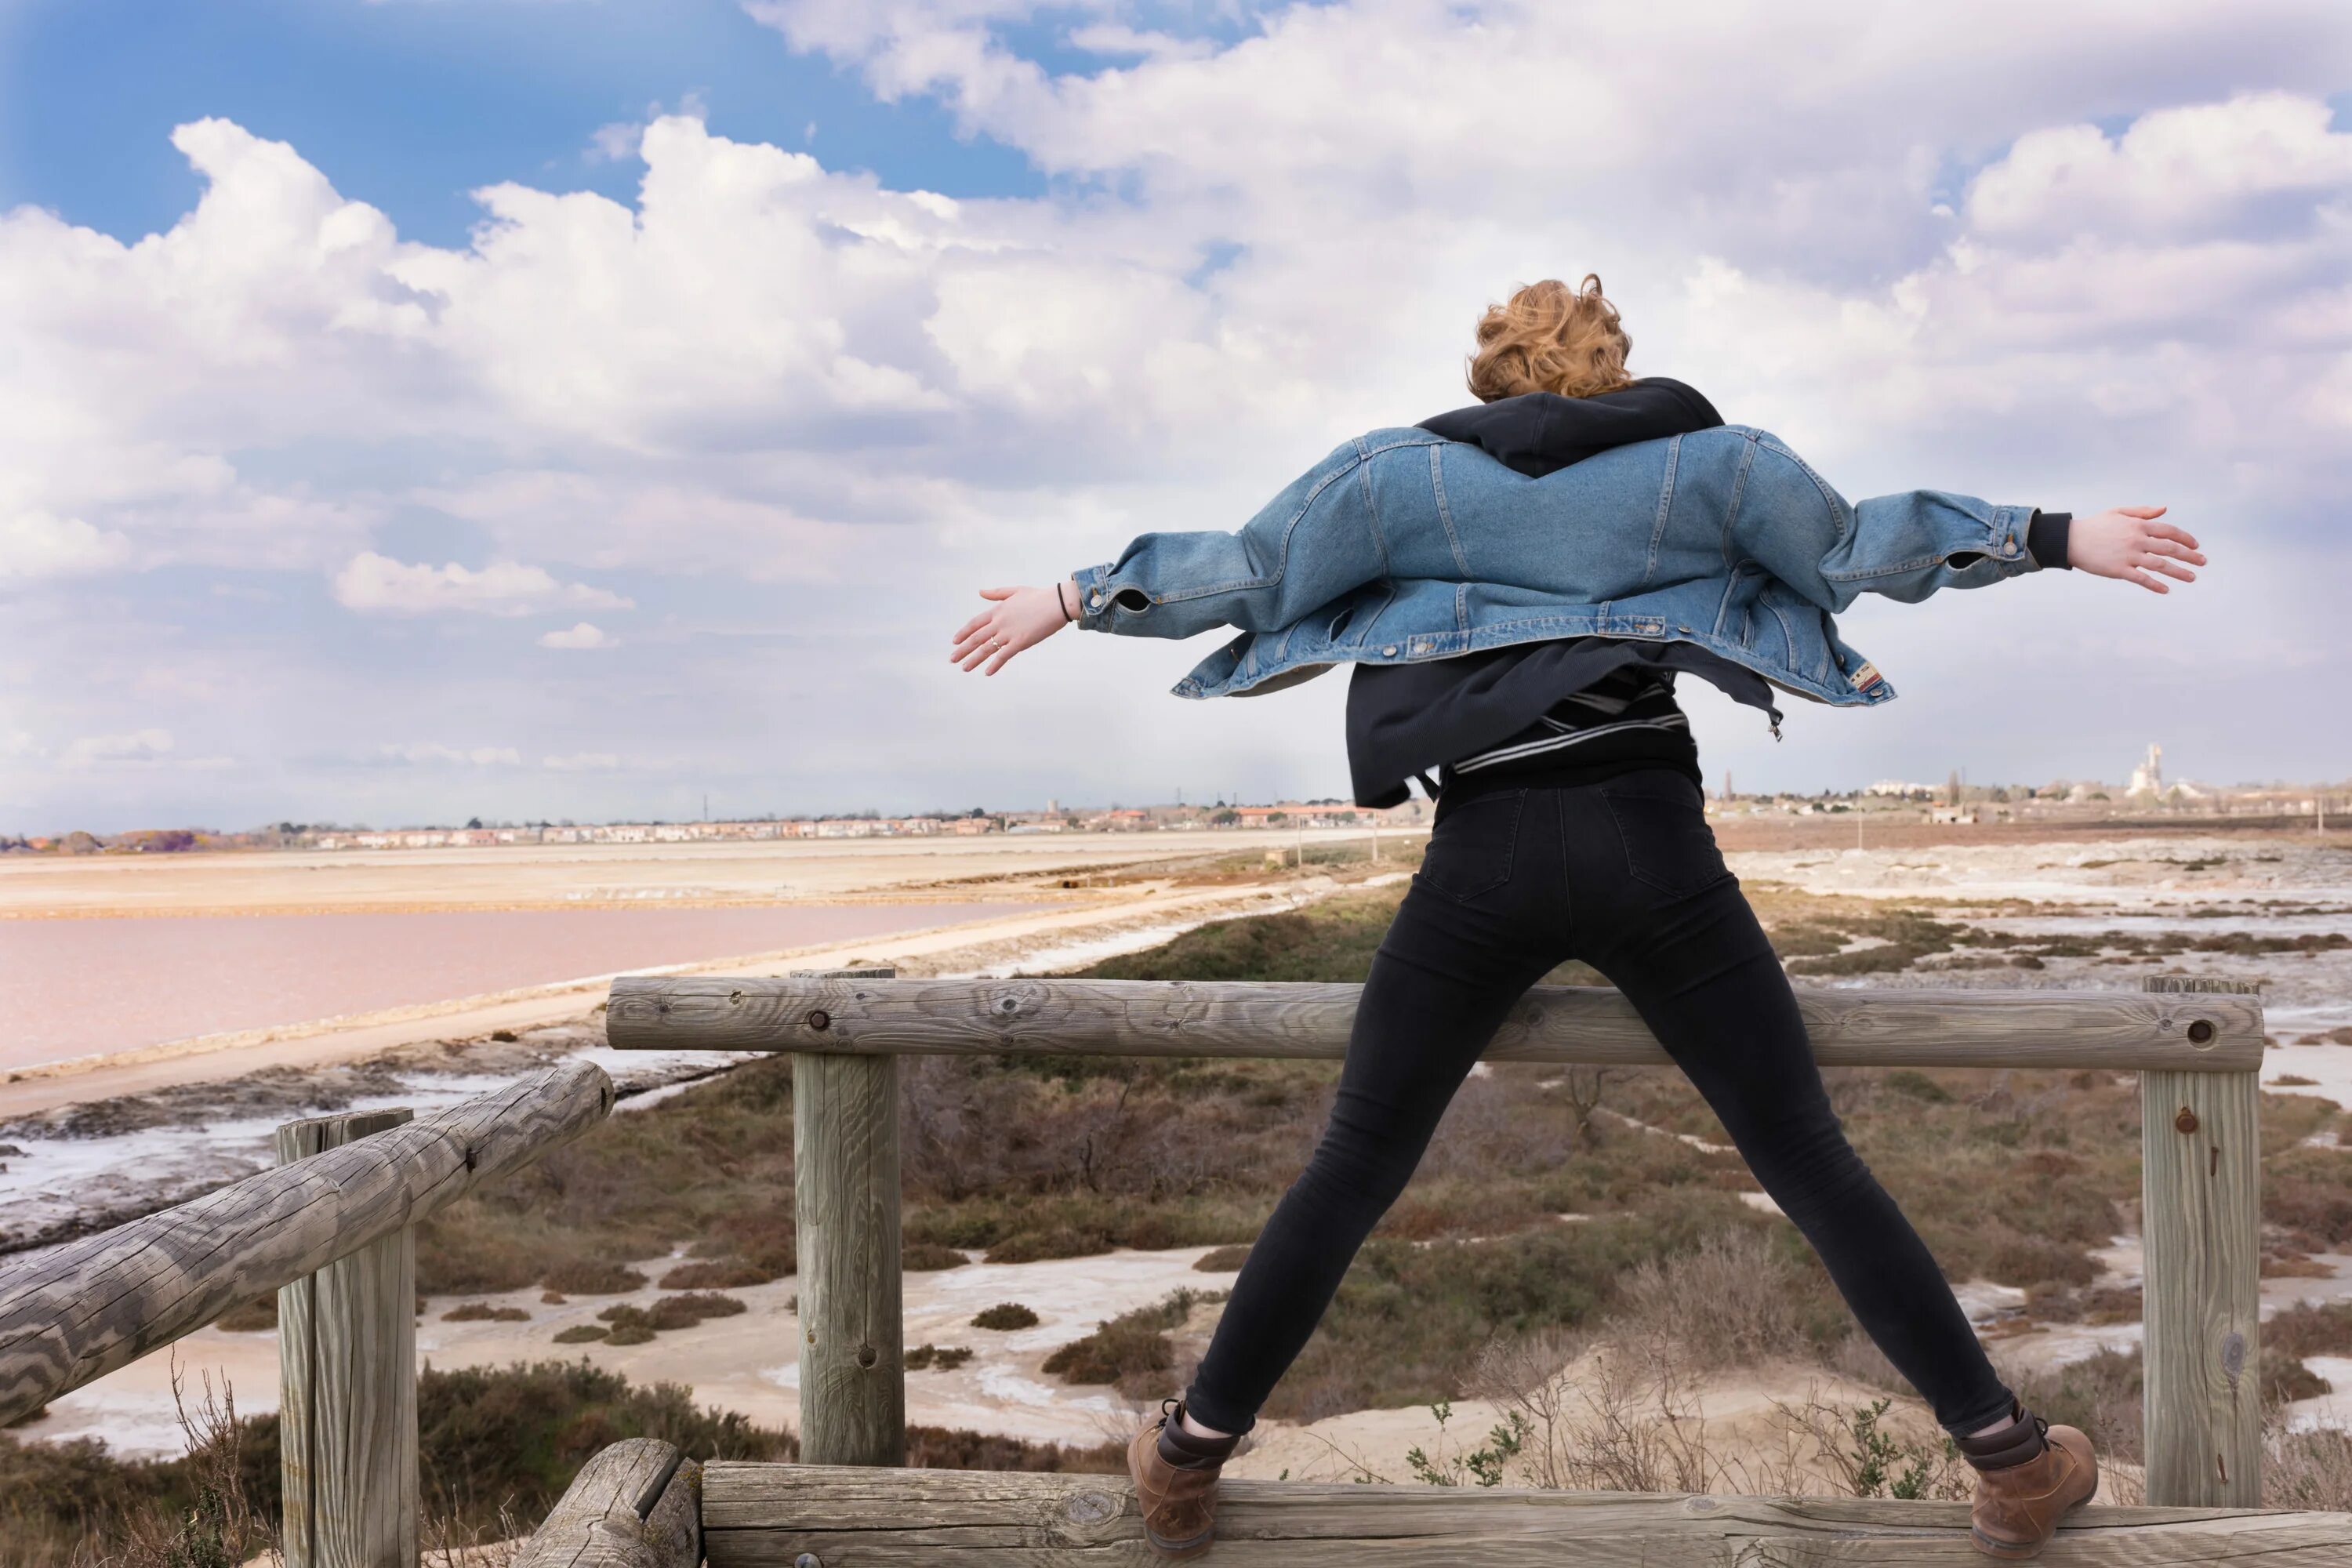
(2148, 777)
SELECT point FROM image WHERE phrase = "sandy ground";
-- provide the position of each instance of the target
(541, 876)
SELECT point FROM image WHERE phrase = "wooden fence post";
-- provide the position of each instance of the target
(347, 1387)
(2201, 1172)
(845, 1219)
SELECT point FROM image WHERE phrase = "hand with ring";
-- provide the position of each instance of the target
(1020, 618)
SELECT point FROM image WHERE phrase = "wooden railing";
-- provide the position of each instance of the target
(2196, 1046)
(331, 1230)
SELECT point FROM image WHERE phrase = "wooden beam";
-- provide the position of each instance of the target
(2200, 1224)
(853, 1383)
(637, 1504)
(2117, 1030)
(78, 1311)
(347, 1386)
(773, 1516)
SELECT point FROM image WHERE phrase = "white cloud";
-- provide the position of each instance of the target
(582, 763)
(2184, 171)
(804, 414)
(372, 582)
(100, 751)
(581, 635)
(34, 546)
(434, 754)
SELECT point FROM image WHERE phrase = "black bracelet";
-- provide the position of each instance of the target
(1067, 617)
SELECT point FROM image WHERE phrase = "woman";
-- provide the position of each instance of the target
(1518, 585)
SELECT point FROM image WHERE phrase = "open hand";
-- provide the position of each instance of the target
(1021, 617)
(2127, 542)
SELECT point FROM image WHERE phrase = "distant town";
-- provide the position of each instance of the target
(2147, 794)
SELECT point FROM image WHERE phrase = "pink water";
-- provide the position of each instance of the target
(83, 987)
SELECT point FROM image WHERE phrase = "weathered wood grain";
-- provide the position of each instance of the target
(845, 1220)
(347, 1386)
(767, 1515)
(637, 1504)
(2119, 1030)
(2200, 1207)
(78, 1312)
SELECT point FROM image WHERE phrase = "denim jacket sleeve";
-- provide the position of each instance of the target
(1317, 540)
(1904, 546)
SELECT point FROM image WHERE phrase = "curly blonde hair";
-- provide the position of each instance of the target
(1547, 337)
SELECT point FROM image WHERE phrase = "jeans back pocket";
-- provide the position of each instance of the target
(1668, 844)
(1470, 852)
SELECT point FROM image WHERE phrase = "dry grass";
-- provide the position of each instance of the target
(2307, 1469)
(1740, 1298)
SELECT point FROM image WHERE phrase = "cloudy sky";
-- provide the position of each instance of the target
(569, 408)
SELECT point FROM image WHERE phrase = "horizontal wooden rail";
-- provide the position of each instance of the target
(78, 1312)
(1887, 1026)
(773, 1515)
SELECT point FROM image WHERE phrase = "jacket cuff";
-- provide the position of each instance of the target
(2045, 539)
(1096, 598)
(2005, 543)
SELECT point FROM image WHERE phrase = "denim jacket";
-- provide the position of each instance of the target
(1403, 547)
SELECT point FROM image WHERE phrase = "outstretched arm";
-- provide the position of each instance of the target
(1309, 544)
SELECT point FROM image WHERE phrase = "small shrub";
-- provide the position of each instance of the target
(483, 1313)
(1038, 1246)
(716, 1274)
(551, 1298)
(629, 1334)
(1131, 1351)
(592, 1277)
(2284, 1378)
(940, 1358)
(580, 1333)
(685, 1311)
(1007, 1315)
(2310, 1328)
(1130, 1356)
(921, 1257)
(1221, 1259)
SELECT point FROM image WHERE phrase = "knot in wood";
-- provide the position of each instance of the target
(2200, 1031)
(868, 1355)
(2186, 1121)
(1091, 1508)
(808, 1560)
(735, 998)
(820, 1020)
(1699, 1504)
(2233, 1355)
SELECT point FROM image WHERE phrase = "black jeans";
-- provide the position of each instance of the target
(1623, 874)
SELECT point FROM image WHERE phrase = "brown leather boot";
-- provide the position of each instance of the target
(2029, 1476)
(1179, 1500)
